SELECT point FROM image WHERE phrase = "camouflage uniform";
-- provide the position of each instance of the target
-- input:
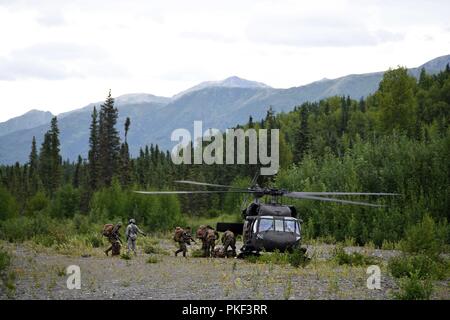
(229, 240)
(131, 233)
(185, 239)
(114, 239)
(219, 252)
(211, 237)
(201, 234)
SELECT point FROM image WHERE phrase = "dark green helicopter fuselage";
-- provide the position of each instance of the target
(267, 227)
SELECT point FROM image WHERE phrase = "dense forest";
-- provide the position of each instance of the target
(396, 140)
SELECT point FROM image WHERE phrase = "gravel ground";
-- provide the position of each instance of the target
(41, 275)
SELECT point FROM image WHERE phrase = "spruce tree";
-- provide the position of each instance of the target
(77, 174)
(94, 152)
(33, 170)
(109, 141)
(55, 157)
(125, 178)
(45, 163)
(301, 142)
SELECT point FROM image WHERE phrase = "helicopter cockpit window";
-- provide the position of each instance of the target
(289, 225)
(279, 225)
(298, 228)
(265, 224)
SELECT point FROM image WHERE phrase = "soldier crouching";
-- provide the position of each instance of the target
(229, 240)
(211, 237)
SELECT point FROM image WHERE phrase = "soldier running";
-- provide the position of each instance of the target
(229, 240)
(131, 234)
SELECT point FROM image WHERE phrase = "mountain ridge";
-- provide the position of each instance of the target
(153, 118)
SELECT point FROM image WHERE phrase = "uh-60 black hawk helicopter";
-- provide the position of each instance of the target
(269, 225)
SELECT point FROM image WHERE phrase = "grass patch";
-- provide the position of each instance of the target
(125, 256)
(154, 249)
(5, 260)
(152, 259)
(296, 258)
(197, 253)
(7, 278)
(60, 271)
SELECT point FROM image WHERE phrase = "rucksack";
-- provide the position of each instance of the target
(107, 229)
(178, 234)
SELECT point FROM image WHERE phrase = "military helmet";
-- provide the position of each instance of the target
(132, 221)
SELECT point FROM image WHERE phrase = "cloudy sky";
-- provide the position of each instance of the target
(60, 55)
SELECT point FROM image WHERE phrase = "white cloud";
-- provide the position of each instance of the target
(317, 31)
(65, 54)
(56, 61)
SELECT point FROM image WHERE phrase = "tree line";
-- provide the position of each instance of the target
(395, 140)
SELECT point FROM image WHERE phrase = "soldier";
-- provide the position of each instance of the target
(113, 238)
(229, 240)
(202, 232)
(211, 237)
(131, 234)
(219, 252)
(183, 238)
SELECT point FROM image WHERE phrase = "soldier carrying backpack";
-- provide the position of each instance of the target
(183, 237)
(112, 233)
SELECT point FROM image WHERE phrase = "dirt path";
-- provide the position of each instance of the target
(41, 275)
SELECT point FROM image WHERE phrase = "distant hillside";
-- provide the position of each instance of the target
(220, 104)
(28, 120)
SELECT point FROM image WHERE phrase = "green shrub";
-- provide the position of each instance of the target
(252, 258)
(5, 260)
(413, 288)
(66, 202)
(423, 266)
(36, 204)
(8, 205)
(298, 258)
(275, 257)
(426, 237)
(25, 228)
(95, 240)
(353, 259)
(82, 223)
(153, 249)
(157, 213)
(7, 278)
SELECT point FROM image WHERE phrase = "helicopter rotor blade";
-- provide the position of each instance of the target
(311, 197)
(193, 192)
(346, 193)
(208, 184)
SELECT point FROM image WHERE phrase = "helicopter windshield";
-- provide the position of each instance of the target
(278, 224)
(291, 225)
(265, 224)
